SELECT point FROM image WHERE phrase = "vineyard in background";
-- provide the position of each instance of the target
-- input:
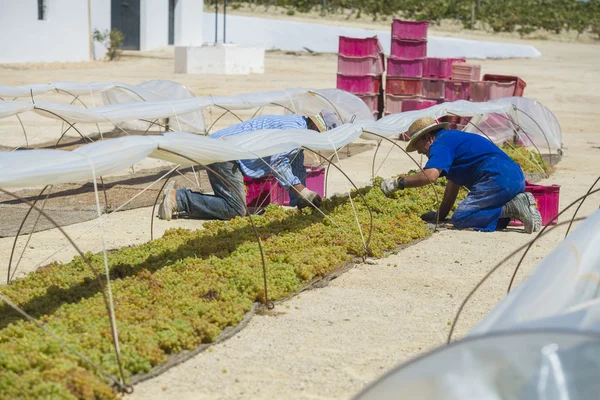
(522, 16)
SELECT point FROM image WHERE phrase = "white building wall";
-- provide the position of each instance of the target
(62, 36)
(154, 24)
(189, 15)
(100, 21)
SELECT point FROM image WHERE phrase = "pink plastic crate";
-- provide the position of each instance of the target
(437, 68)
(409, 49)
(359, 47)
(457, 90)
(409, 29)
(403, 86)
(479, 91)
(466, 72)
(261, 192)
(520, 83)
(359, 84)
(497, 90)
(360, 66)
(398, 104)
(434, 88)
(371, 100)
(401, 67)
(547, 202)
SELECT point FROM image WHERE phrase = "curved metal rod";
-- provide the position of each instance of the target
(217, 120)
(509, 144)
(579, 206)
(12, 252)
(538, 125)
(494, 269)
(368, 250)
(98, 278)
(256, 112)
(64, 120)
(165, 127)
(327, 100)
(267, 303)
(228, 110)
(22, 126)
(330, 160)
(543, 229)
(105, 196)
(156, 201)
(374, 157)
(437, 199)
(284, 107)
(76, 98)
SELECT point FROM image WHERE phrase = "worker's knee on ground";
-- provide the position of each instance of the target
(237, 210)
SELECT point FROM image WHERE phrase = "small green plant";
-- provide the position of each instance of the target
(291, 12)
(111, 40)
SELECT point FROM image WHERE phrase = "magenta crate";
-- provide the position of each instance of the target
(398, 67)
(359, 84)
(479, 91)
(457, 90)
(547, 202)
(416, 30)
(466, 72)
(409, 49)
(359, 47)
(360, 66)
(261, 192)
(393, 104)
(417, 104)
(434, 88)
(497, 90)
(370, 99)
(440, 68)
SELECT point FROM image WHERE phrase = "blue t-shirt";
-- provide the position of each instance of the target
(460, 155)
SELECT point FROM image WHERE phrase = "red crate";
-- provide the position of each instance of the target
(479, 91)
(403, 86)
(457, 90)
(498, 90)
(409, 49)
(519, 83)
(398, 104)
(370, 99)
(261, 192)
(434, 88)
(360, 66)
(547, 202)
(437, 68)
(359, 47)
(397, 67)
(466, 72)
(359, 84)
(409, 29)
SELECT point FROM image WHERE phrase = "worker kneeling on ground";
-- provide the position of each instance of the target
(226, 202)
(496, 183)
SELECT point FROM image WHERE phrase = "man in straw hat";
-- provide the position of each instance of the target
(496, 183)
(289, 170)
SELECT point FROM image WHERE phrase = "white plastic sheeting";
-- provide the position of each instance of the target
(530, 365)
(267, 33)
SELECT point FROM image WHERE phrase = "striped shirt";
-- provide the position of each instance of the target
(282, 163)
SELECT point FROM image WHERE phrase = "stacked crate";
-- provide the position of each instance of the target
(403, 85)
(360, 70)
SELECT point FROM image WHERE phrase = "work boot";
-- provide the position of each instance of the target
(523, 208)
(168, 205)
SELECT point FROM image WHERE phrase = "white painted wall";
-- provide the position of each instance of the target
(154, 24)
(100, 21)
(63, 36)
(188, 22)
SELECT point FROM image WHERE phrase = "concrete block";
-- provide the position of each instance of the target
(220, 59)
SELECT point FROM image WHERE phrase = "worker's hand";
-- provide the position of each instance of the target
(430, 216)
(308, 198)
(390, 185)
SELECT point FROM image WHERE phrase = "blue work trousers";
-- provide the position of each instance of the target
(500, 181)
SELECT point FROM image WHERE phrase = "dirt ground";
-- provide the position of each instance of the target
(329, 343)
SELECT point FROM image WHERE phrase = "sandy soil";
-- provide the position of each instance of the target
(329, 343)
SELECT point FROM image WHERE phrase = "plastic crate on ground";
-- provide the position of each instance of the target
(409, 49)
(440, 68)
(261, 192)
(457, 90)
(360, 66)
(403, 86)
(359, 47)
(466, 72)
(433, 88)
(547, 202)
(479, 91)
(400, 67)
(497, 90)
(394, 104)
(359, 84)
(370, 99)
(519, 83)
(416, 30)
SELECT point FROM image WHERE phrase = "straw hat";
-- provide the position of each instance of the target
(325, 120)
(422, 126)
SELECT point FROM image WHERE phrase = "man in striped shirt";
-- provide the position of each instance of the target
(287, 168)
